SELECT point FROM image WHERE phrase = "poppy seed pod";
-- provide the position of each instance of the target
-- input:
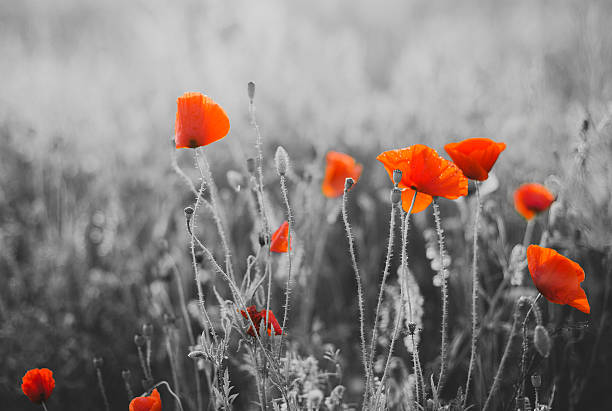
(411, 328)
(251, 90)
(281, 158)
(98, 362)
(188, 211)
(536, 381)
(348, 183)
(541, 340)
(250, 165)
(147, 329)
(139, 340)
(397, 176)
(396, 195)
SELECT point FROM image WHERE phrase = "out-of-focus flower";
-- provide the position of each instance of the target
(426, 172)
(475, 156)
(557, 277)
(147, 403)
(531, 199)
(199, 121)
(257, 317)
(280, 239)
(37, 384)
(340, 166)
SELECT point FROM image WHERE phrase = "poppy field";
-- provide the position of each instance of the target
(219, 206)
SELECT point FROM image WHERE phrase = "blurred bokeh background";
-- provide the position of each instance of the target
(87, 105)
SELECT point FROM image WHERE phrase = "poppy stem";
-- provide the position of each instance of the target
(528, 233)
(176, 397)
(349, 235)
(101, 387)
(44, 406)
(404, 295)
(475, 330)
(444, 342)
(524, 347)
(285, 192)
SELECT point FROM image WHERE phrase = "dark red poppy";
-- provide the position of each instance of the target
(557, 277)
(531, 199)
(426, 172)
(475, 156)
(150, 402)
(199, 121)
(280, 239)
(38, 384)
(257, 317)
(340, 166)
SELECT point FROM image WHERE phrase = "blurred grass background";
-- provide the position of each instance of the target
(86, 116)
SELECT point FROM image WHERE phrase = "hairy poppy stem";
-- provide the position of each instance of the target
(502, 364)
(444, 342)
(176, 397)
(524, 347)
(44, 406)
(285, 192)
(475, 330)
(180, 172)
(102, 390)
(380, 295)
(404, 295)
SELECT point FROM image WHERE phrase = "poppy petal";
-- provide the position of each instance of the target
(199, 121)
(340, 166)
(475, 156)
(421, 202)
(280, 239)
(147, 403)
(531, 199)
(38, 384)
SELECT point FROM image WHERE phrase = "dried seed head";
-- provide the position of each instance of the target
(411, 328)
(348, 183)
(281, 158)
(251, 165)
(98, 362)
(536, 381)
(251, 90)
(396, 196)
(541, 340)
(139, 340)
(397, 176)
(188, 212)
(147, 330)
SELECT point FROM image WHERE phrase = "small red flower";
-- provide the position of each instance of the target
(199, 121)
(475, 156)
(257, 317)
(426, 172)
(38, 384)
(340, 166)
(280, 239)
(147, 403)
(531, 199)
(557, 277)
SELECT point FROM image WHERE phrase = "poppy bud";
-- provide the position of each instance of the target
(147, 329)
(251, 165)
(262, 239)
(541, 340)
(348, 183)
(188, 212)
(396, 196)
(196, 354)
(251, 90)
(139, 340)
(281, 158)
(98, 362)
(536, 381)
(411, 327)
(397, 176)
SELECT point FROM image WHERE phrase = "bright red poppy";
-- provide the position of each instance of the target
(280, 239)
(38, 384)
(340, 166)
(147, 403)
(426, 172)
(531, 199)
(257, 317)
(557, 277)
(199, 121)
(475, 156)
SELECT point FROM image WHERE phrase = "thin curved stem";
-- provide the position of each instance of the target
(283, 183)
(44, 406)
(524, 346)
(444, 338)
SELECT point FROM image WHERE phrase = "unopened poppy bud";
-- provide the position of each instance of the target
(281, 158)
(262, 239)
(541, 340)
(139, 340)
(397, 176)
(98, 362)
(251, 165)
(188, 212)
(396, 195)
(251, 90)
(147, 329)
(411, 328)
(536, 381)
(348, 183)
(196, 354)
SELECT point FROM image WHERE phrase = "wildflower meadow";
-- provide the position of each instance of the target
(325, 206)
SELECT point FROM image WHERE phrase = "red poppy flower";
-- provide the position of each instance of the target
(280, 239)
(199, 121)
(38, 384)
(426, 172)
(147, 403)
(531, 199)
(557, 277)
(340, 166)
(475, 156)
(257, 316)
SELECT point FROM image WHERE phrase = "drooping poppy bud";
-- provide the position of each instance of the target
(541, 341)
